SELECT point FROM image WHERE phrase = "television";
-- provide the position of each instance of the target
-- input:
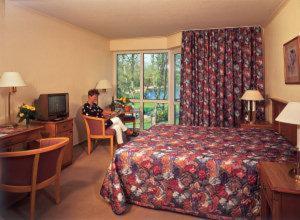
(52, 107)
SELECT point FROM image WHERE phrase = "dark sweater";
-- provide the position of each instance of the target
(95, 111)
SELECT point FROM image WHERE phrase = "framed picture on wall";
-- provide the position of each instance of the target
(292, 61)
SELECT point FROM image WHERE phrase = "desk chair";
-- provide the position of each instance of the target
(32, 170)
(95, 129)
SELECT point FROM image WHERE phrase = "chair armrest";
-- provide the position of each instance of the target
(94, 118)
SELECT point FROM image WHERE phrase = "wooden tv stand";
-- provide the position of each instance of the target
(63, 128)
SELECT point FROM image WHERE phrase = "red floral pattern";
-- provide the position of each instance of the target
(217, 66)
(203, 171)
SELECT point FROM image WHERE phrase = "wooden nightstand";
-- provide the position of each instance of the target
(258, 124)
(280, 194)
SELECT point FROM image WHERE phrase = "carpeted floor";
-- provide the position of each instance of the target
(80, 185)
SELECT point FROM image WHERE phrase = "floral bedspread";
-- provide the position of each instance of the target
(207, 172)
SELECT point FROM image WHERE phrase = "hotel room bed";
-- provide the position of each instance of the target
(207, 172)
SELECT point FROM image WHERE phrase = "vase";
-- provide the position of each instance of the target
(27, 122)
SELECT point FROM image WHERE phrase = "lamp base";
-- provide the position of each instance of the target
(295, 174)
(253, 117)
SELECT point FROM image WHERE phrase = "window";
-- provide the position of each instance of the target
(177, 75)
(155, 113)
(145, 79)
(156, 76)
(155, 88)
(177, 66)
(128, 75)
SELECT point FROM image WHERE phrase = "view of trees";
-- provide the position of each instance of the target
(155, 88)
(155, 113)
(177, 66)
(176, 113)
(128, 69)
(155, 78)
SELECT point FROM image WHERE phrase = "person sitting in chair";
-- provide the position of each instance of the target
(92, 109)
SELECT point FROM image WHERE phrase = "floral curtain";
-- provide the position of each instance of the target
(217, 66)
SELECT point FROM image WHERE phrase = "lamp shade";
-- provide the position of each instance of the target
(103, 84)
(11, 79)
(252, 95)
(290, 114)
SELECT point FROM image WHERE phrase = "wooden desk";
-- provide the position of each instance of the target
(126, 117)
(107, 112)
(16, 137)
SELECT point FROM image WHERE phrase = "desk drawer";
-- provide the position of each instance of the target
(20, 138)
(64, 126)
(14, 140)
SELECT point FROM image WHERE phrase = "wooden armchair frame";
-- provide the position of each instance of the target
(101, 135)
(35, 156)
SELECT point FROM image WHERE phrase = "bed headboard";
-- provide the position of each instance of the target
(287, 130)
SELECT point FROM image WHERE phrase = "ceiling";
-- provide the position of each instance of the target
(143, 18)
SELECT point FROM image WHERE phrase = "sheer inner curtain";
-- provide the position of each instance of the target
(217, 66)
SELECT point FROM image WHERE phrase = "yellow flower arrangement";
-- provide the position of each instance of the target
(26, 112)
(123, 103)
(124, 100)
(29, 107)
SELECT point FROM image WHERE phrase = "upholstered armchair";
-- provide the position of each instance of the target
(95, 129)
(32, 170)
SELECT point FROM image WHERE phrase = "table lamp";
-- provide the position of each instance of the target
(252, 95)
(291, 115)
(103, 85)
(11, 80)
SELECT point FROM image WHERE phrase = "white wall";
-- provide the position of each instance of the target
(52, 56)
(283, 27)
(146, 43)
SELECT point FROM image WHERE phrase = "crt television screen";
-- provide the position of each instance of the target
(57, 104)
